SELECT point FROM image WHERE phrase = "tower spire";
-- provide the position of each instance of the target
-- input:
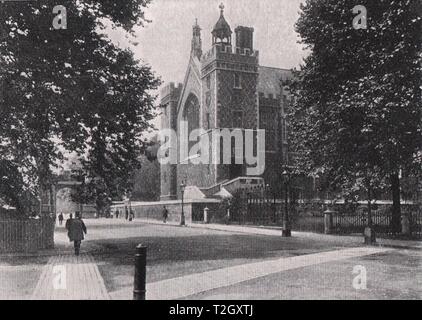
(196, 40)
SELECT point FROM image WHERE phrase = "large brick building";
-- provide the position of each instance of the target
(225, 87)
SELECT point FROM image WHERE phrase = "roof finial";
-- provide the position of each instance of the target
(222, 8)
(196, 25)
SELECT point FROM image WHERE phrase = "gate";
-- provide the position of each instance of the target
(261, 209)
(356, 223)
(260, 206)
(349, 223)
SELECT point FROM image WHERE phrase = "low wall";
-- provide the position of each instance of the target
(26, 235)
(193, 210)
(216, 212)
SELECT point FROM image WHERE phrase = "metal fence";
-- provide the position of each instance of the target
(381, 221)
(26, 235)
(259, 206)
(356, 223)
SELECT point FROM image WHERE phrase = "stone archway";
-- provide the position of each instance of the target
(64, 202)
(62, 192)
(62, 197)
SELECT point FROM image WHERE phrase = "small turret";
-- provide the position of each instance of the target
(222, 33)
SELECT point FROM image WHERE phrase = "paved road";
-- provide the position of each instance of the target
(226, 277)
(217, 262)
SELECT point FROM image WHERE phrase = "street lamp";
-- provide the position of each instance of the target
(182, 190)
(286, 231)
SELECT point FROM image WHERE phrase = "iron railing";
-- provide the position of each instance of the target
(26, 235)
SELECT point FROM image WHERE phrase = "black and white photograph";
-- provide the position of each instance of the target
(233, 151)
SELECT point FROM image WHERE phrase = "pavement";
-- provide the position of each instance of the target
(70, 277)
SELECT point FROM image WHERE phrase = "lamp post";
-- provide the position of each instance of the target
(369, 233)
(182, 218)
(286, 231)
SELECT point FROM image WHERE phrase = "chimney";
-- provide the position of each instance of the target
(244, 40)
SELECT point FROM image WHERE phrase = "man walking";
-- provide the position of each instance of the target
(77, 231)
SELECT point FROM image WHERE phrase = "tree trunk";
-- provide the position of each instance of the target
(396, 212)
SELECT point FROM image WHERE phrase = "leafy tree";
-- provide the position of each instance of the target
(357, 115)
(12, 186)
(74, 89)
(147, 179)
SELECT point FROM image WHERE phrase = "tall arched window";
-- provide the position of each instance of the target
(191, 115)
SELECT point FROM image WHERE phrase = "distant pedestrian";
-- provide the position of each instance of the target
(131, 214)
(126, 213)
(77, 230)
(60, 218)
(117, 213)
(165, 214)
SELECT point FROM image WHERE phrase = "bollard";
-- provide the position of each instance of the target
(140, 272)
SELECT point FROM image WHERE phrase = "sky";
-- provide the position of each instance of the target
(165, 42)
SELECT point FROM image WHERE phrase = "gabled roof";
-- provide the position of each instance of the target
(269, 79)
(193, 70)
